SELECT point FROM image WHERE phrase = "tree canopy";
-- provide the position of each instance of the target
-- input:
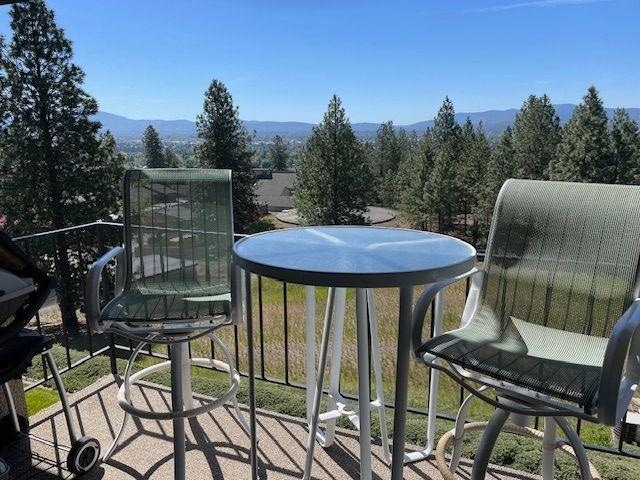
(334, 180)
(226, 144)
(57, 170)
(278, 155)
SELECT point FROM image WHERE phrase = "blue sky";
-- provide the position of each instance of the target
(391, 60)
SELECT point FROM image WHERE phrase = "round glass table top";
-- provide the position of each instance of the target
(354, 256)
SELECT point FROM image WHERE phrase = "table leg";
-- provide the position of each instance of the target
(317, 396)
(311, 347)
(364, 389)
(253, 454)
(402, 381)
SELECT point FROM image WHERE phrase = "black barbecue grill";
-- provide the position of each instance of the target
(23, 290)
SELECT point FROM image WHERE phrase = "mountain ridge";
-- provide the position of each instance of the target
(494, 122)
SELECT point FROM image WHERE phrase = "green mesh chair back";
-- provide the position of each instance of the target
(561, 268)
(178, 239)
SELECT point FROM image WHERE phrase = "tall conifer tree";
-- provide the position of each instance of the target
(153, 149)
(226, 144)
(536, 134)
(56, 173)
(278, 155)
(441, 188)
(412, 183)
(584, 153)
(625, 148)
(334, 178)
(501, 166)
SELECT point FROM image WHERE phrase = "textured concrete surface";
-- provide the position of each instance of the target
(216, 445)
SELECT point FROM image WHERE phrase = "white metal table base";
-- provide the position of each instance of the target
(338, 406)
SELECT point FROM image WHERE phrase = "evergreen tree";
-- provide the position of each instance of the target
(441, 188)
(584, 153)
(536, 134)
(625, 148)
(502, 165)
(56, 171)
(475, 157)
(467, 174)
(278, 155)
(153, 150)
(226, 144)
(334, 179)
(171, 158)
(412, 179)
(387, 155)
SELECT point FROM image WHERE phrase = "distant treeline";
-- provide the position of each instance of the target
(447, 180)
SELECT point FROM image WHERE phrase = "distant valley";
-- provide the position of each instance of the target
(494, 121)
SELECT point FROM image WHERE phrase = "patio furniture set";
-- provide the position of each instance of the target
(554, 305)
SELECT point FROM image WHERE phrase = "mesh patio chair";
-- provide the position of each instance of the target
(554, 306)
(173, 284)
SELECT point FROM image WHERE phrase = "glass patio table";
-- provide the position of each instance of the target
(357, 257)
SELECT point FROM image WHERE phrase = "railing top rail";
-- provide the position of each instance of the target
(68, 229)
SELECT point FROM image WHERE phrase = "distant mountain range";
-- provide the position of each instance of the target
(494, 121)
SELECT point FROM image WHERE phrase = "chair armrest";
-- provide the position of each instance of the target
(425, 300)
(92, 287)
(621, 367)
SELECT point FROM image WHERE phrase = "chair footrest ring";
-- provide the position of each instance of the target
(200, 362)
(508, 427)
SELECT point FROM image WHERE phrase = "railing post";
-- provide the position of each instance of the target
(102, 248)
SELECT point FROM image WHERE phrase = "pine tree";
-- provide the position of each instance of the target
(536, 134)
(441, 189)
(153, 150)
(171, 158)
(474, 163)
(467, 174)
(226, 144)
(502, 165)
(53, 160)
(278, 155)
(625, 148)
(334, 179)
(412, 179)
(387, 154)
(584, 152)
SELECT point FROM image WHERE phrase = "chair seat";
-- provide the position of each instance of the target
(168, 302)
(558, 363)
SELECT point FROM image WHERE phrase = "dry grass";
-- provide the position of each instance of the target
(270, 332)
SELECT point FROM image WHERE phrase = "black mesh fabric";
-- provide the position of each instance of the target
(178, 239)
(561, 268)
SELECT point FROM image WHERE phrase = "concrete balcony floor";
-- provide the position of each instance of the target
(217, 447)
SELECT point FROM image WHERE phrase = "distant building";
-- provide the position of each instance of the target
(274, 189)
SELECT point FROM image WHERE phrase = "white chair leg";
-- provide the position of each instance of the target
(548, 448)
(126, 387)
(232, 370)
(461, 418)
(377, 372)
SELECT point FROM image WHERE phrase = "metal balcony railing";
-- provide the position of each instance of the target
(85, 243)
